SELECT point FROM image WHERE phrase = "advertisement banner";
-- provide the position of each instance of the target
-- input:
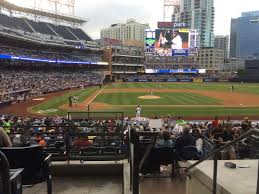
(185, 80)
(173, 71)
(208, 80)
(142, 80)
(172, 80)
(197, 80)
(170, 25)
(180, 52)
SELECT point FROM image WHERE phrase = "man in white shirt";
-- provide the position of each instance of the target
(177, 42)
(138, 112)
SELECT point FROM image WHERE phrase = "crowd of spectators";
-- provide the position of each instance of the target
(164, 77)
(52, 131)
(51, 55)
(114, 134)
(179, 133)
(21, 85)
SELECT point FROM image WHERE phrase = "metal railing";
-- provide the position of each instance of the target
(102, 141)
(95, 115)
(215, 153)
(136, 161)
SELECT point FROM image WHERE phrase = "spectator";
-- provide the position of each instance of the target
(246, 124)
(81, 142)
(216, 134)
(215, 122)
(7, 125)
(228, 121)
(186, 139)
(4, 139)
(166, 141)
(226, 137)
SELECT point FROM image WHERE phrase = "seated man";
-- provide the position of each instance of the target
(226, 137)
(166, 141)
(81, 142)
(246, 124)
(186, 139)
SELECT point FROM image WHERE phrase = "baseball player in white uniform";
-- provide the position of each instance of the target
(138, 112)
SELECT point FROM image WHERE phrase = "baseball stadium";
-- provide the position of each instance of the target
(138, 110)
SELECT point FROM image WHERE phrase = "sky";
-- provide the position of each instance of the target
(102, 13)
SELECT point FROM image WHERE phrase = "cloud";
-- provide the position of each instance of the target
(102, 15)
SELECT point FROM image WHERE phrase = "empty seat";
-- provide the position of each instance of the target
(32, 159)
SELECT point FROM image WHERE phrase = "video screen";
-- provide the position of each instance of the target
(150, 39)
(173, 42)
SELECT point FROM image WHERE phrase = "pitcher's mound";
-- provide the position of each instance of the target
(149, 97)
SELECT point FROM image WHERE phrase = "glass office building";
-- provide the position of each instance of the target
(244, 36)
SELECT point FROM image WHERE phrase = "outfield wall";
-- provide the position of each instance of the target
(173, 80)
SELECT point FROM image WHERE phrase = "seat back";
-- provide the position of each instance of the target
(90, 151)
(164, 155)
(189, 153)
(110, 150)
(31, 159)
(157, 157)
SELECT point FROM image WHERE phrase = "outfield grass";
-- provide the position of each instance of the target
(173, 98)
(242, 88)
(176, 98)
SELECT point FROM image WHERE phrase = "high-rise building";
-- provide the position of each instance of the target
(222, 42)
(211, 59)
(244, 36)
(132, 33)
(199, 14)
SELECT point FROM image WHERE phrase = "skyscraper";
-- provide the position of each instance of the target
(199, 14)
(222, 42)
(244, 36)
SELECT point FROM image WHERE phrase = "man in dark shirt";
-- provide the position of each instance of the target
(246, 124)
(186, 139)
(226, 137)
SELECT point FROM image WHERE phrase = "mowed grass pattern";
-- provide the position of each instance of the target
(242, 88)
(167, 99)
(174, 98)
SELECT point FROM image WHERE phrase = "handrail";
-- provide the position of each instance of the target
(245, 135)
(5, 169)
(207, 139)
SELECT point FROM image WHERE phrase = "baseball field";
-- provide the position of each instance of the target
(196, 100)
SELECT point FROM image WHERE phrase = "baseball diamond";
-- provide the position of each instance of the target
(195, 100)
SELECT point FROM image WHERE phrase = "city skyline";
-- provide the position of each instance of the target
(101, 14)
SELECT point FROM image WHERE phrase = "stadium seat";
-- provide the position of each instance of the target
(188, 153)
(157, 157)
(89, 151)
(34, 162)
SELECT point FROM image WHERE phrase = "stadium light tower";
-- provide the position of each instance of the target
(58, 6)
(171, 7)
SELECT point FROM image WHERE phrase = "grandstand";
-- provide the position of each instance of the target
(65, 127)
(43, 31)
